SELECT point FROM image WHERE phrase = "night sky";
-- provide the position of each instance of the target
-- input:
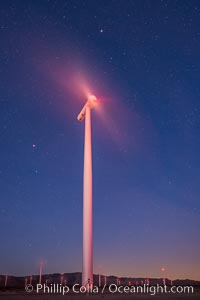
(141, 59)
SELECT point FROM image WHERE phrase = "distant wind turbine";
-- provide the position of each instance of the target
(41, 268)
(164, 280)
(6, 280)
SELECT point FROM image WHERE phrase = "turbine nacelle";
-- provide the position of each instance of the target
(91, 102)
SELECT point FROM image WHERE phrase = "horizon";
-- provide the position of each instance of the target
(103, 275)
(141, 60)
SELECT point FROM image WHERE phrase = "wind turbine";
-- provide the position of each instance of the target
(87, 268)
(99, 279)
(99, 275)
(164, 279)
(6, 280)
(41, 268)
(61, 279)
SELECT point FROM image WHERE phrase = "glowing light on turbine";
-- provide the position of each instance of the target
(91, 102)
(163, 269)
(76, 78)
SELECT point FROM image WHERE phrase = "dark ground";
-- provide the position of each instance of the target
(26, 296)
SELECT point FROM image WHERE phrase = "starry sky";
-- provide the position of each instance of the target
(141, 59)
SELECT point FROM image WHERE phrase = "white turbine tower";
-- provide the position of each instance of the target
(87, 268)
